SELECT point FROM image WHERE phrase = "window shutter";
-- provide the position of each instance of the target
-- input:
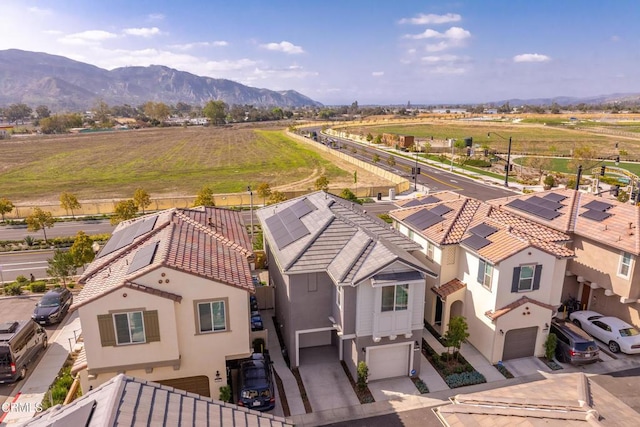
(151, 326)
(536, 277)
(107, 331)
(515, 280)
(481, 268)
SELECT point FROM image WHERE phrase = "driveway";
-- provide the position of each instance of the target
(324, 379)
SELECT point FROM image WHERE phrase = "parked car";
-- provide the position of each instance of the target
(53, 306)
(256, 321)
(616, 333)
(574, 346)
(20, 343)
(256, 383)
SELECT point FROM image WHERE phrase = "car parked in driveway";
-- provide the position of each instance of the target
(616, 333)
(574, 345)
(256, 383)
(53, 306)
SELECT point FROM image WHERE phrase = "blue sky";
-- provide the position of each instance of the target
(340, 51)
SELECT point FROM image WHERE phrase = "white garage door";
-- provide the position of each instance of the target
(520, 343)
(389, 361)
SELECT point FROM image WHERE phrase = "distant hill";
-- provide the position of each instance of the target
(60, 83)
(627, 98)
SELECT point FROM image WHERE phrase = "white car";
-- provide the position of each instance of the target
(617, 334)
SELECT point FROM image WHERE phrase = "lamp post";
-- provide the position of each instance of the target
(506, 172)
(417, 171)
(451, 144)
(251, 211)
(579, 173)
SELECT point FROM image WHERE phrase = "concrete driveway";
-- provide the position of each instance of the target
(324, 379)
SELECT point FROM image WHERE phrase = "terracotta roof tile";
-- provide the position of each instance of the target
(448, 288)
(517, 303)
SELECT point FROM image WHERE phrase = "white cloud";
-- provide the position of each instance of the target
(39, 11)
(283, 46)
(531, 57)
(195, 45)
(53, 32)
(229, 65)
(444, 69)
(155, 17)
(442, 58)
(451, 38)
(142, 32)
(220, 43)
(428, 19)
(87, 37)
(377, 73)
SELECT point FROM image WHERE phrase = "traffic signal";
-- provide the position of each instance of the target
(415, 171)
(603, 169)
(616, 190)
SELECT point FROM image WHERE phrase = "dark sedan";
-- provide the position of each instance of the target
(53, 306)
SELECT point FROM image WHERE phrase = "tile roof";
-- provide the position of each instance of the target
(211, 243)
(559, 401)
(340, 238)
(125, 400)
(493, 315)
(619, 230)
(513, 233)
(443, 291)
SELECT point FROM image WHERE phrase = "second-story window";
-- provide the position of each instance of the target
(625, 264)
(129, 327)
(526, 278)
(485, 273)
(430, 250)
(212, 316)
(395, 298)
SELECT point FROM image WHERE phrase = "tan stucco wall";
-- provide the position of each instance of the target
(200, 354)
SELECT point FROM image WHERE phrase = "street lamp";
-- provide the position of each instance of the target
(579, 173)
(416, 170)
(451, 144)
(251, 211)
(506, 173)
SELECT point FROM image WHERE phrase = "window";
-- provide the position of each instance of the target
(526, 278)
(485, 273)
(411, 234)
(625, 264)
(395, 298)
(129, 328)
(430, 250)
(212, 316)
(339, 296)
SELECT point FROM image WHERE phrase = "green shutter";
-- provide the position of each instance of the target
(515, 280)
(107, 331)
(537, 276)
(481, 268)
(151, 326)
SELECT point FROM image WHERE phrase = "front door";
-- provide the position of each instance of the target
(584, 297)
(438, 319)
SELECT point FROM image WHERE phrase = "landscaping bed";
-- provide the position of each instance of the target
(363, 393)
(551, 364)
(503, 370)
(452, 367)
(420, 385)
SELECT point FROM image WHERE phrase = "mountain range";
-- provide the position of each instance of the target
(62, 84)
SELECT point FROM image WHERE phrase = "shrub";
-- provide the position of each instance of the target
(363, 375)
(421, 386)
(549, 181)
(503, 370)
(464, 379)
(29, 240)
(479, 163)
(550, 346)
(225, 393)
(13, 289)
(22, 280)
(38, 287)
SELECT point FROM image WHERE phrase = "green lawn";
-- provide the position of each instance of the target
(164, 161)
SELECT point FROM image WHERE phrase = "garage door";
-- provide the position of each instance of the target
(520, 343)
(198, 385)
(389, 361)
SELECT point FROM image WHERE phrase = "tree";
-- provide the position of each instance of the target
(141, 199)
(40, 220)
(215, 111)
(457, 333)
(375, 158)
(82, 250)
(204, 197)
(369, 137)
(157, 111)
(322, 183)
(276, 197)
(391, 161)
(69, 202)
(61, 266)
(18, 112)
(6, 206)
(102, 113)
(583, 155)
(378, 139)
(349, 195)
(124, 210)
(43, 111)
(550, 345)
(264, 191)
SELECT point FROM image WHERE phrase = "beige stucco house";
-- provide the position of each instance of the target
(606, 240)
(502, 273)
(167, 300)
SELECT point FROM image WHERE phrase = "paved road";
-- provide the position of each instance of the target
(59, 229)
(14, 264)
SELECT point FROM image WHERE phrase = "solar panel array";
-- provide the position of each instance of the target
(423, 219)
(598, 206)
(126, 236)
(483, 230)
(549, 204)
(143, 257)
(595, 215)
(425, 201)
(475, 242)
(286, 226)
(554, 197)
(440, 210)
(534, 209)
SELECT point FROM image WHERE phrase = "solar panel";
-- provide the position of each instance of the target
(286, 227)
(302, 207)
(414, 202)
(483, 230)
(143, 257)
(278, 230)
(430, 199)
(440, 210)
(554, 197)
(423, 219)
(549, 204)
(533, 209)
(475, 242)
(146, 225)
(598, 206)
(595, 215)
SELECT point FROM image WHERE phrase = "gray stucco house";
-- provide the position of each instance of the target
(347, 280)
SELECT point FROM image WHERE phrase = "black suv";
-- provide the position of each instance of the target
(575, 346)
(256, 383)
(53, 306)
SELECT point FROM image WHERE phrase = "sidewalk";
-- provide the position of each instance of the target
(34, 390)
